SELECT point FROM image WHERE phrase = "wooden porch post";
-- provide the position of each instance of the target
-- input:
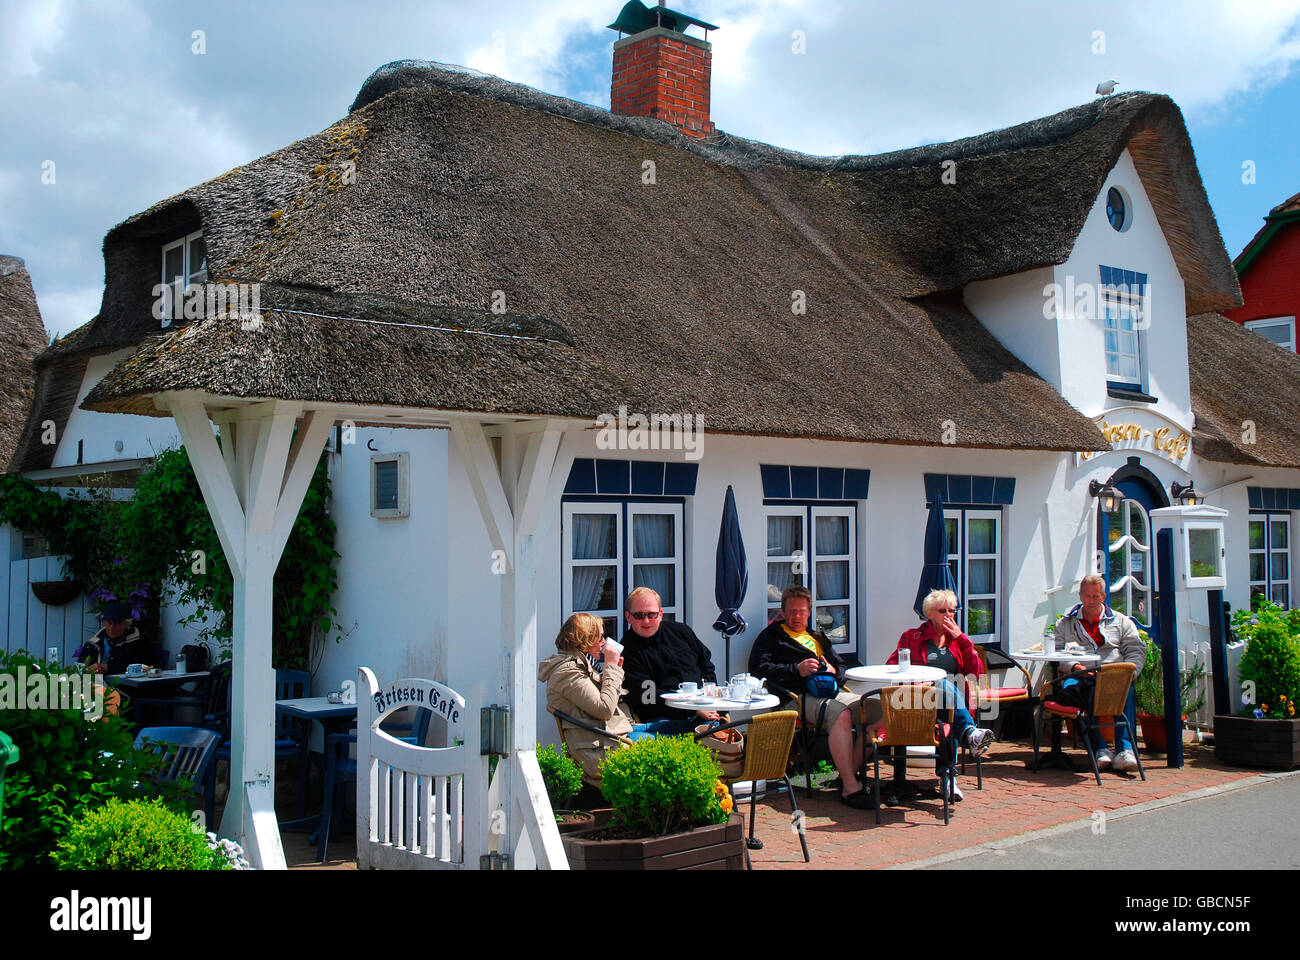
(513, 499)
(253, 486)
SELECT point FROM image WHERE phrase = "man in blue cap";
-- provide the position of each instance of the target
(116, 644)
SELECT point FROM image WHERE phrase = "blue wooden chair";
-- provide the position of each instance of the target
(186, 752)
(340, 769)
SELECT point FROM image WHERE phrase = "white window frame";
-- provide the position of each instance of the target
(1256, 326)
(623, 512)
(792, 510)
(849, 642)
(808, 514)
(403, 508)
(1268, 518)
(1113, 302)
(190, 274)
(963, 516)
(638, 508)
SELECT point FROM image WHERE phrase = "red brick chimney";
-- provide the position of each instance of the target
(661, 72)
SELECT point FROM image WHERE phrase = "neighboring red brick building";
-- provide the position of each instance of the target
(1269, 272)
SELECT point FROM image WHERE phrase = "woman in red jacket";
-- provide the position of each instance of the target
(940, 643)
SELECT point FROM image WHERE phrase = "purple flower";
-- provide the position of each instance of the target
(1259, 714)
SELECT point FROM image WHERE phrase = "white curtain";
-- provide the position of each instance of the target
(592, 538)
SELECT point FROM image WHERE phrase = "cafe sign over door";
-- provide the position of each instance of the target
(1138, 428)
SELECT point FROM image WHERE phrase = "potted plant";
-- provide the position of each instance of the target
(563, 779)
(1149, 695)
(1266, 733)
(670, 811)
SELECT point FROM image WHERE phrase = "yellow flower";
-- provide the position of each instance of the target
(1282, 697)
(726, 804)
(1264, 707)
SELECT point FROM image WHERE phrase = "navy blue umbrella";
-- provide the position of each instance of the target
(935, 574)
(731, 579)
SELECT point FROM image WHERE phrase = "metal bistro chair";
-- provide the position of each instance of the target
(188, 752)
(987, 696)
(912, 719)
(1109, 697)
(767, 753)
(562, 718)
(810, 743)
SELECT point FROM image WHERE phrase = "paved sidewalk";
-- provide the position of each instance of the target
(1014, 801)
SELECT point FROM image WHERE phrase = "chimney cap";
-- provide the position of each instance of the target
(636, 16)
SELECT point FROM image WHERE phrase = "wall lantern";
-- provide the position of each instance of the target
(1186, 494)
(1110, 497)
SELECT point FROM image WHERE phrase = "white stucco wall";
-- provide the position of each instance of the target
(392, 573)
(99, 432)
(1069, 353)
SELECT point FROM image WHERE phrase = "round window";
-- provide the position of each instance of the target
(1117, 208)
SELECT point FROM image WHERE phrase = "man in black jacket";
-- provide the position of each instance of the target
(787, 653)
(658, 656)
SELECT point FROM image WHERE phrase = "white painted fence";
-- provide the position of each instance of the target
(27, 624)
(419, 807)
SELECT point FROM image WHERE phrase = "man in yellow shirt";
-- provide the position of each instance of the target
(788, 653)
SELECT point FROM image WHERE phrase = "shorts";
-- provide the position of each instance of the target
(812, 708)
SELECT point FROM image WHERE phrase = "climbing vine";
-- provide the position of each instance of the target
(162, 539)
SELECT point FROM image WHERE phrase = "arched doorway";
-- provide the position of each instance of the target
(1129, 564)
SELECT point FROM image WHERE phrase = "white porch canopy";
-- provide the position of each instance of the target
(254, 484)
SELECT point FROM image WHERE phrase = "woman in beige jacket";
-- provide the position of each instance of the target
(574, 687)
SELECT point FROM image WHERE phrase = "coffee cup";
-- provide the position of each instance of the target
(614, 645)
(134, 669)
(689, 687)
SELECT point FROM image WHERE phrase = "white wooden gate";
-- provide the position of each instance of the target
(419, 807)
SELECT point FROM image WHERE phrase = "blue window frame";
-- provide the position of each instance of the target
(975, 557)
(610, 545)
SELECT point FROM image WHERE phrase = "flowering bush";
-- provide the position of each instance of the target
(1270, 666)
(228, 850)
(137, 835)
(662, 785)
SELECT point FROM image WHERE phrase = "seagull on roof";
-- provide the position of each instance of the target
(1107, 87)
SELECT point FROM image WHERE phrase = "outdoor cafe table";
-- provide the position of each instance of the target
(893, 675)
(739, 709)
(1056, 759)
(162, 684)
(333, 718)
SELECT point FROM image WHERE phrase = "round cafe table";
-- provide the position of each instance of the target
(739, 709)
(1056, 758)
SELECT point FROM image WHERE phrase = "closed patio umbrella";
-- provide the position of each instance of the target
(731, 578)
(935, 573)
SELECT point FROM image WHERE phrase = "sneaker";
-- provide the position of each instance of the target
(957, 795)
(978, 740)
(1124, 760)
(1104, 758)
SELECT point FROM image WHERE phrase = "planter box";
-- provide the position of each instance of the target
(717, 847)
(1248, 742)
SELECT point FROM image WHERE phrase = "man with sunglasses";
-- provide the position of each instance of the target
(658, 656)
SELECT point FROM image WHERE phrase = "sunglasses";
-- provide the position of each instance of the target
(646, 614)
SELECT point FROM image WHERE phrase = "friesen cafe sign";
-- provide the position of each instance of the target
(1135, 428)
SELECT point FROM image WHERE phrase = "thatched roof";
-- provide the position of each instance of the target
(674, 296)
(1240, 379)
(24, 338)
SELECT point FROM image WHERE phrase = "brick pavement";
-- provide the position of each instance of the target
(1013, 801)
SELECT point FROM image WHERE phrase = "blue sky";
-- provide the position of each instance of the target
(116, 94)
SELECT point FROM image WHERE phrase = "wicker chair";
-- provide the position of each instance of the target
(767, 753)
(1109, 697)
(912, 719)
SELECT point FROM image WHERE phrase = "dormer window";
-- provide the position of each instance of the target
(184, 262)
(1123, 294)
